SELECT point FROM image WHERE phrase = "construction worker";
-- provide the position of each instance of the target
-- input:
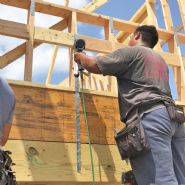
(142, 77)
(7, 104)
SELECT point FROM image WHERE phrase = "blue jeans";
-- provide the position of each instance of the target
(165, 163)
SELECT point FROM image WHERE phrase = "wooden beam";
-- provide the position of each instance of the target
(181, 38)
(152, 20)
(51, 67)
(72, 26)
(13, 29)
(55, 161)
(66, 3)
(58, 10)
(53, 37)
(41, 6)
(92, 18)
(12, 55)
(29, 43)
(183, 58)
(129, 27)
(90, 7)
(67, 39)
(66, 183)
(167, 15)
(181, 4)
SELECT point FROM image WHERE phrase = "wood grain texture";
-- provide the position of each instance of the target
(49, 115)
(56, 161)
(68, 183)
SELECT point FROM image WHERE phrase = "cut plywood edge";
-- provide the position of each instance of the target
(55, 161)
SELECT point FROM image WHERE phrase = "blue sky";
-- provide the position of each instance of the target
(122, 9)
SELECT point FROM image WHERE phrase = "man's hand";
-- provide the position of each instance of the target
(87, 62)
(78, 57)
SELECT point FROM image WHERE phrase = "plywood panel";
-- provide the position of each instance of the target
(49, 115)
(68, 183)
(54, 161)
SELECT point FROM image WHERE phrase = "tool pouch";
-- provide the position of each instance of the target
(176, 113)
(132, 140)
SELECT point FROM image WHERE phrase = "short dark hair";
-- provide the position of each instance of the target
(149, 35)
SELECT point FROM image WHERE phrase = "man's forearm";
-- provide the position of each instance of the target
(89, 63)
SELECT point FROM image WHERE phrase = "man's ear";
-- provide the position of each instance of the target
(137, 36)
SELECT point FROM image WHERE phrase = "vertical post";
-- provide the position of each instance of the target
(66, 3)
(72, 27)
(109, 35)
(30, 43)
(51, 67)
(181, 4)
(152, 20)
(171, 42)
(179, 73)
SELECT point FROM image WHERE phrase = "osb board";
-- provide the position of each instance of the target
(49, 115)
(55, 161)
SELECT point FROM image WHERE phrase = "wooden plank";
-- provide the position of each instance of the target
(67, 39)
(95, 19)
(68, 183)
(181, 4)
(53, 161)
(181, 38)
(43, 114)
(29, 44)
(13, 29)
(129, 27)
(126, 26)
(53, 37)
(41, 6)
(92, 6)
(167, 15)
(183, 59)
(51, 67)
(58, 10)
(72, 27)
(12, 55)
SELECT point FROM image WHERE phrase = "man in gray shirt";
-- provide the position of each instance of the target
(7, 104)
(142, 77)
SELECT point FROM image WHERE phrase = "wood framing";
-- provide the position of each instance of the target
(29, 43)
(43, 135)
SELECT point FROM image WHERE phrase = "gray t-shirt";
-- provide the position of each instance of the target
(7, 103)
(142, 76)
